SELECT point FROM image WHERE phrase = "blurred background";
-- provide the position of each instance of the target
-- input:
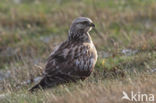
(30, 29)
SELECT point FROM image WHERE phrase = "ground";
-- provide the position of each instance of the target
(124, 37)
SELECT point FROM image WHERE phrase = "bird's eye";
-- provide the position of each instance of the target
(85, 22)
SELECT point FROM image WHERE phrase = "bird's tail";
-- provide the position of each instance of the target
(35, 87)
(46, 82)
(41, 85)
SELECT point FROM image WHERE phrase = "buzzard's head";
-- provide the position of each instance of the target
(83, 24)
(80, 27)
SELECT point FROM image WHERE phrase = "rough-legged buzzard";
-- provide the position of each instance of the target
(72, 60)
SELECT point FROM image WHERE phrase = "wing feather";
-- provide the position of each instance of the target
(72, 59)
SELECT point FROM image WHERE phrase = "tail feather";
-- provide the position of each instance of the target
(44, 83)
(40, 85)
(53, 81)
(34, 88)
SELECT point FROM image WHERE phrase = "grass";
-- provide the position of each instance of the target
(30, 29)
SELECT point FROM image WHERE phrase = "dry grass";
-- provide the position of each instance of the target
(101, 91)
(30, 29)
(109, 91)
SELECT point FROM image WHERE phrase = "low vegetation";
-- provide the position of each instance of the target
(124, 37)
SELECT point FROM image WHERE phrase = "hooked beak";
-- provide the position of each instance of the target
(92, 25)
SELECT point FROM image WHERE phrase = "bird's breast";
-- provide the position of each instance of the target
(87, 57)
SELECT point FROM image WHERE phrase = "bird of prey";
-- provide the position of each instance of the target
(72, 60)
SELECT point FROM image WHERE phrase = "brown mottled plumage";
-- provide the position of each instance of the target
(72, 60)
